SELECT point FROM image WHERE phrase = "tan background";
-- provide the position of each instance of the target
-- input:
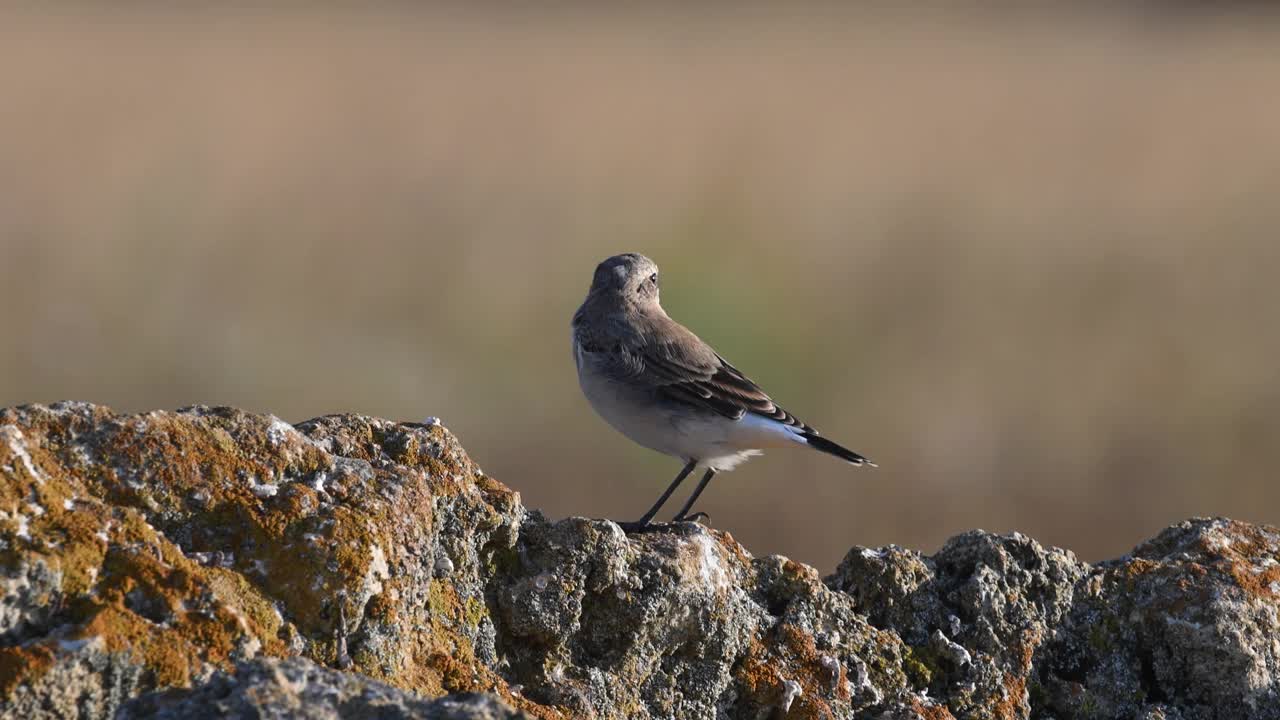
(1025, 260)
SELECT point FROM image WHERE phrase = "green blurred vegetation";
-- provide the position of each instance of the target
(1025, 261)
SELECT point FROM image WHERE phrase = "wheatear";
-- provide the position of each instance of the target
(657, 383)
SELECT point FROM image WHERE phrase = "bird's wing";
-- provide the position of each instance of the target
(690, 372)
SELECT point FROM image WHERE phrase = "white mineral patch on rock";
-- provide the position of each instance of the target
(378, 571)
(443, 566)
(711, 570)
(262, 490)
(17, 445)
(278, 431)
(861, 683)
(790, 691)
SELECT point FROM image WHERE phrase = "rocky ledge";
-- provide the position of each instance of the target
(211, 562)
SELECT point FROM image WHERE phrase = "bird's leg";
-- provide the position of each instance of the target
(642, 523)
(684, 515)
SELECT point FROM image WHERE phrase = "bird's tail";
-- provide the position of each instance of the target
(817, 442)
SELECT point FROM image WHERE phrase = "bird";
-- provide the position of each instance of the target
(656, 382)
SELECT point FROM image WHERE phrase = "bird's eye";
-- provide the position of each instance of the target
(654, 278)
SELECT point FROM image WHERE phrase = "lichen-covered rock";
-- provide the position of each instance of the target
(170, 545)
(972, 615)
(682, 623)
(144, 554)
(298, 688)
(1186, 627)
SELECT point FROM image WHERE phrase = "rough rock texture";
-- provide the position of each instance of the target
(298, 688)
(147, 551)
(1185, 627)
(172, 557)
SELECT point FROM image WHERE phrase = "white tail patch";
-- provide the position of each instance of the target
(725, 463)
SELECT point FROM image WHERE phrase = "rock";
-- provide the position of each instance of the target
(298, 688)
(972, 615)
(108, 525)
(214, 561)
(1185, 627)
(681, 623)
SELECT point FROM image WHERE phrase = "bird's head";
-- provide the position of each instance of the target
(630, 279)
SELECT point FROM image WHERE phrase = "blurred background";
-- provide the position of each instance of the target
(1025, 258)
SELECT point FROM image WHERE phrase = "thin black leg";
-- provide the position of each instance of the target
(643, 522)
(684, 511)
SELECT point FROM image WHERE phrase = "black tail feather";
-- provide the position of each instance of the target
(817, 442)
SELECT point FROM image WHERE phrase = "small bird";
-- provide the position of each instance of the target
(657, 383)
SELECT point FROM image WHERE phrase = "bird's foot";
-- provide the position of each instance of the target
(640, 526)
(694, 518)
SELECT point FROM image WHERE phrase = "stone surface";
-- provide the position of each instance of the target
(217, 561)
(1185, 627)
(298, 688)
(166, 546)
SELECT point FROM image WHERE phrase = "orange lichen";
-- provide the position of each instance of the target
(1243, 555)
(382, 607)
(1010, 706)
(931, 712)
(790, 651)
(121, 580)
(1261, 583)
(23, 664)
